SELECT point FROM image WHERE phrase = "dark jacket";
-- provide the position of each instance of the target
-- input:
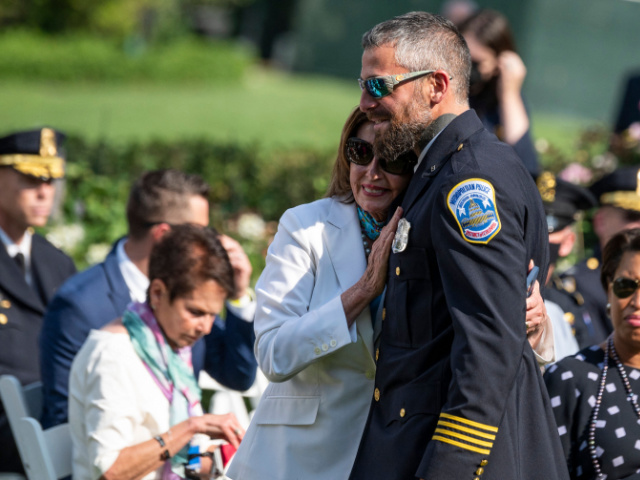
(458, 392)
(21, 310)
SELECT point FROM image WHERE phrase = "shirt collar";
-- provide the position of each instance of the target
(137, 282)
(13, 248)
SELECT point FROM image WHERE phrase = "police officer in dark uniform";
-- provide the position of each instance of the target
(562, 203)
(31, 269)
(458, 393)
(618, 196)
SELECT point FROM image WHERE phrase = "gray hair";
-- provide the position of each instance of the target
(425, 41)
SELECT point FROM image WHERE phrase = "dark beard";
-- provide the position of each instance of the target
(401, 138)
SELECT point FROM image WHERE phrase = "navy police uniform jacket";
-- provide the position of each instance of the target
(21, 310)
(584, 277)
(458, 393)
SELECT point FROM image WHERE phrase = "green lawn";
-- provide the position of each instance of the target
(270, 108)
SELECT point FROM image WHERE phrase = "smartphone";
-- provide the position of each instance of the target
(531, 278)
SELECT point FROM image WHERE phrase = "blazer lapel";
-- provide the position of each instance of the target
(344, 245)
(118, 290)
(14, 284)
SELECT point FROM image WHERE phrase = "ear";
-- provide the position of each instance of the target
(439, 83)
(157, 290)
(158, 231)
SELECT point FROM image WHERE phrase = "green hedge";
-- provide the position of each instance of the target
(247, 186)
(26, 55)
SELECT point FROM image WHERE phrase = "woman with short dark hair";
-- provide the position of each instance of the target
(134, 403)
(594, 394)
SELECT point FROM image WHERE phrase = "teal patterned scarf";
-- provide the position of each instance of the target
(370, 226)
(171, 370)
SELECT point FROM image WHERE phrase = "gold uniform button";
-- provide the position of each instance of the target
(477, 478)
(397, 270)
(402, 412)
(384, 313)
(593, 263)
(377, 353)
(460, 147)
(3, 319)
(480, 471)
(484, 462)
(376, 395)
(569, 318)
(5, 304)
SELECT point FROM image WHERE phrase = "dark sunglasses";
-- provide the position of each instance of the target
(379, 87)
(360, 152)
(625, 287)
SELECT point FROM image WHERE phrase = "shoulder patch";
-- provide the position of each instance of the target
(473, 205)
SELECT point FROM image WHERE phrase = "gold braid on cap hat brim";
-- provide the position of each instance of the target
(622, 199)
(35, 165)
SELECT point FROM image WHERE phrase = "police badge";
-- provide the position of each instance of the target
(401, 239)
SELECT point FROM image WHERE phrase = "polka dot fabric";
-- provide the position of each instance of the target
(573, 388)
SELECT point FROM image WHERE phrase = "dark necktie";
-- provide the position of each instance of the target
(19, 259)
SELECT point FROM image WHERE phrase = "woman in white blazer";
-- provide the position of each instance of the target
(317, 297)
(314, 330)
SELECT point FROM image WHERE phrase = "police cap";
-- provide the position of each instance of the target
(34, 152)
(620, 188)
(562, 200)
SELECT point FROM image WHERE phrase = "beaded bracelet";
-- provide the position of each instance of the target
(165, 455)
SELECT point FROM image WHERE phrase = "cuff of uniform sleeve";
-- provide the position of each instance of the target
(244, 307)
(545, 353)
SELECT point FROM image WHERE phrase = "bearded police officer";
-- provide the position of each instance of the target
(458, 393)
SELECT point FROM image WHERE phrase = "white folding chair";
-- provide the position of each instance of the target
(18, 402)
(48, 456)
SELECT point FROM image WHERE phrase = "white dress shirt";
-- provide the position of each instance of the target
(23, 247)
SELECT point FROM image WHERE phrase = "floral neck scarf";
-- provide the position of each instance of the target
(172, 371)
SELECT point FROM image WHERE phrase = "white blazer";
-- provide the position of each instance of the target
(310, 419)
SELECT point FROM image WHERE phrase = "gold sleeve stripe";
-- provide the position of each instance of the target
(469, 422)
(464, 437)
(461, 445)
(468, 430)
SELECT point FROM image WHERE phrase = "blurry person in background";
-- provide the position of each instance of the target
(158, 201)
(562, 203)
(497, 75)
(457, 11)
(627, 123)
(31, 269)
(618, 196)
